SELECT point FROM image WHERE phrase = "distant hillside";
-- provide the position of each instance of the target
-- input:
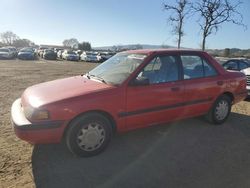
(231, 52)
(131, 47)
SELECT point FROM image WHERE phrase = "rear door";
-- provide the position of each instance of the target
(202, 84)
(160, 100)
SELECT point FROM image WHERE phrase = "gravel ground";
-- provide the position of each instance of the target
(189, 153)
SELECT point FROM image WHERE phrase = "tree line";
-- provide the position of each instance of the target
(73, 43)
(9, 38)
(211, 15)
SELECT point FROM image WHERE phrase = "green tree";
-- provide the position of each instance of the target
(70, 43)
(85, 46)
(226, 52)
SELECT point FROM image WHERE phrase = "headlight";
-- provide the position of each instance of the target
(35, 114)
(40, 115)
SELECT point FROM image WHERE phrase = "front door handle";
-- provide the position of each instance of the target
(220, 83)
(175, 89)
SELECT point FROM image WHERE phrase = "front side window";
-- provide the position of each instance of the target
(196, 67)
(161, 69)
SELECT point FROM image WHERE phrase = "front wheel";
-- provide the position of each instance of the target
(220, 110)
(88, 135)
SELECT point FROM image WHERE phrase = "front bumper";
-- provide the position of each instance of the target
(35, 133)
(26, 57)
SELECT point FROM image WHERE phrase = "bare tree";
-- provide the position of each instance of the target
(70, 42)
(178, 12)
(8, 37)
(215, 12)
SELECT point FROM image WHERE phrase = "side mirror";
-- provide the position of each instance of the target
(140, 81)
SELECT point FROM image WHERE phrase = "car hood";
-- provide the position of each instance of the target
(246, 71)
(25, 53)
(57, 90)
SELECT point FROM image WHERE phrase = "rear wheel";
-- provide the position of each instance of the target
(220, 110)
(88, 135)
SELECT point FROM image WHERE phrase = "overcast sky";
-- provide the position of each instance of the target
(111, 22)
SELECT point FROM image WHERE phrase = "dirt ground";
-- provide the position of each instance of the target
(15, 76)
(24, 165)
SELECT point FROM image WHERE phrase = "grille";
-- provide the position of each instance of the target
(248, 80)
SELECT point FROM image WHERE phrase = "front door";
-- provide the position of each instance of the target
(158, 101)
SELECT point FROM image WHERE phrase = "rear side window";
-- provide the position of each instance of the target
(196, 67)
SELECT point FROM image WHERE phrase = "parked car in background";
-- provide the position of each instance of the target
(133, 89)
(49, 54)
(103, 56)
(59, 54)
(89, 56)
(58, 49)
(242, 65)
(79, 53)
(26, 54)
(6, 53)
(13, 50)
(40, 51)
(247, 73)
(70, 55)
(236, 64)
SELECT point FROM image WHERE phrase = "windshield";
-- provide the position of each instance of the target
(70, 52)
(48, 51)
(118, 68)
(26, 50)
(4, 50)
(90, 53)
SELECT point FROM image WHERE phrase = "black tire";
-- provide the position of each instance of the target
(76, 135)
(214, 116)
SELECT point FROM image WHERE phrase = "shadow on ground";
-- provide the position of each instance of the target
(189, 153)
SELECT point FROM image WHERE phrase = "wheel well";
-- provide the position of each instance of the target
(230, 95)
(106, 114)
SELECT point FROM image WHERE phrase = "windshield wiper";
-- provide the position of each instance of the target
(96, 77)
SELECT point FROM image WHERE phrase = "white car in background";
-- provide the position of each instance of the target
(90, 57)
(70, 55)
(103, 56)
(247, 73)
(242, 65)
(6, 53)
(59, 54)
(13, 50)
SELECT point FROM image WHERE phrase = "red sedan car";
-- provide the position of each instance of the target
(133, 89)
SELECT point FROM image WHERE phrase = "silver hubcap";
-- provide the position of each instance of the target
(221, 110)
(91, 137)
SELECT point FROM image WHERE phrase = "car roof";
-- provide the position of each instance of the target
(150, 51)
(238, 60)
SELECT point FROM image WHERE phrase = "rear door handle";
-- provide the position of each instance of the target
(175, 89)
